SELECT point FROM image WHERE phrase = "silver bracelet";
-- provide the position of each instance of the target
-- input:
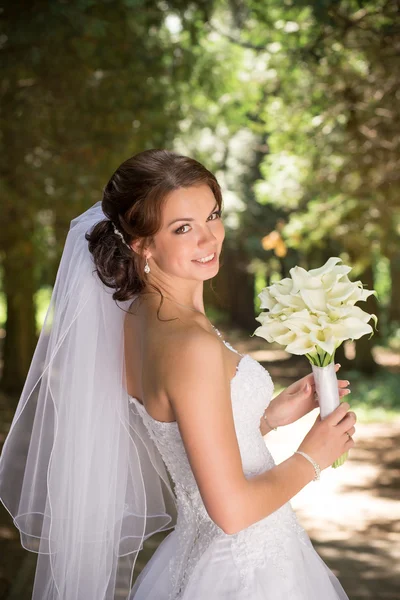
(265, 419)
(316, 466)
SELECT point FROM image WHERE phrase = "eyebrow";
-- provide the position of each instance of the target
(189, 218)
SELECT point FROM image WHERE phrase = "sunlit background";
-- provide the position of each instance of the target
(294, 105)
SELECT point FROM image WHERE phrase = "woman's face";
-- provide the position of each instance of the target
(191, 229)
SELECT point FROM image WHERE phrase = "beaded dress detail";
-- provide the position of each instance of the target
(272, 559)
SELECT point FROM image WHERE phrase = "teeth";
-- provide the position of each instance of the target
(206, 258)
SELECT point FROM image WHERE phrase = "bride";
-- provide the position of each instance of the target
(139, 417)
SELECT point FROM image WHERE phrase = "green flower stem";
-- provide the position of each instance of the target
(340, 461)
(320, 358)
(329, 358)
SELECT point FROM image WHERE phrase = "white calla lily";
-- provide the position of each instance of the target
(340, 292)
(313, 312)
(270, 331)
(286, 338)
(350, 329)
(326, 268)
(301, 345)
(267, 300)
(314, 299)
(291, 301)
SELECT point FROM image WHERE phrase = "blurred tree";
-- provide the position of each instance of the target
(224, 129)
(394, 306)
(334, 130)
(84, 85)
(299, 97)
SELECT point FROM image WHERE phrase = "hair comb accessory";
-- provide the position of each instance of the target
(117, 231)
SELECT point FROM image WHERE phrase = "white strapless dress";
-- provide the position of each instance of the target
(272, 559)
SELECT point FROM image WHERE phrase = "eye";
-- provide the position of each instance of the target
(179, 230)
(216, 212)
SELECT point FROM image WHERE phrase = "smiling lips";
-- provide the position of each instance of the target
(206, 259)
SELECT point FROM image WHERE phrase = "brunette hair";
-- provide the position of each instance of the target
(133, 201)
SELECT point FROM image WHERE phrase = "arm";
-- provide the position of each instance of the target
(199, 391)
(296, 401)
(264, 426)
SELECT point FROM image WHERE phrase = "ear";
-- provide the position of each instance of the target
(136, 247)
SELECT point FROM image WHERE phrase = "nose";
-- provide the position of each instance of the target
(208, 239)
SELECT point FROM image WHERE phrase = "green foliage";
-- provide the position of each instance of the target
(321, 95)
(382, 279)
(85, 85)
(393, 340)
(333, 155)
(42, 301)
(374, 398)
(3, 311)
(293, 105)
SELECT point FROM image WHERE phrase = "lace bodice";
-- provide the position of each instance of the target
(251, 392)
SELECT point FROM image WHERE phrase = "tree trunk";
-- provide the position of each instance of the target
(364, 360)
(394, 304)
(241, 292)
(234, 287)
(20, 339)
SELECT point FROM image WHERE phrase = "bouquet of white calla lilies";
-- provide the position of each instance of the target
(313, 313)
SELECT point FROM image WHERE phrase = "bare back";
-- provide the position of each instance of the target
(147, 340)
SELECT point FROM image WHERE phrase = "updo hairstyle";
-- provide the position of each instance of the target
(133, 200)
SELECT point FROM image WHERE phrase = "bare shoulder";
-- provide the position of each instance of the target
(192, 337)
(191, 350)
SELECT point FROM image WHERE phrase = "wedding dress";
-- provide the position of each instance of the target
(272, 559)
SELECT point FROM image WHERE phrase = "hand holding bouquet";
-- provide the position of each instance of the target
(313, 313)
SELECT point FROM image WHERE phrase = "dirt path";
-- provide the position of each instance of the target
(353, 514)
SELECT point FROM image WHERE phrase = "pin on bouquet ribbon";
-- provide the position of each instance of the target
(312, 313)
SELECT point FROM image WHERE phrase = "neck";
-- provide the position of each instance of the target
(196, 306)
(185, 306)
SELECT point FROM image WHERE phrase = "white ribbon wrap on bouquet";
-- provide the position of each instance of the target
(326, 386)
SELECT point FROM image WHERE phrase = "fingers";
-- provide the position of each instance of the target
(342, 383)
(349, 443)
(347, 422)
(351, 431)
(299, 386)
(345, 392)
(308, 379)
(343, 387)
(338, 414)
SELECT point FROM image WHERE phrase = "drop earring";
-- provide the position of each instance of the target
(146, 267)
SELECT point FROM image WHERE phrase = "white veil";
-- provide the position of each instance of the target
(79, 474)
